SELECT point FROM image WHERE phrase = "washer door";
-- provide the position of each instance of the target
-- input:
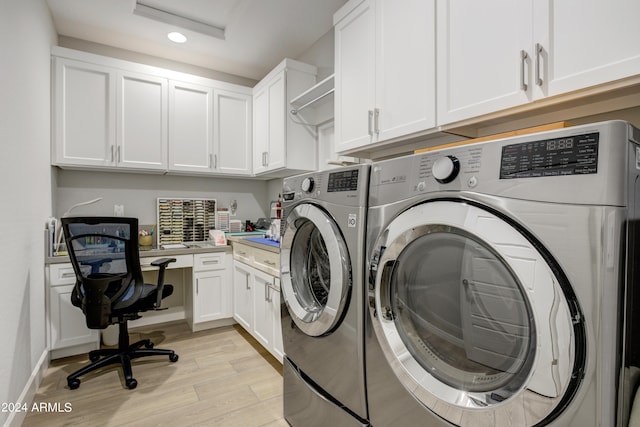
(471, 317)
(315, 270)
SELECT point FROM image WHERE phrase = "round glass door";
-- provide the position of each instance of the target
(470, 316)
(315, 270)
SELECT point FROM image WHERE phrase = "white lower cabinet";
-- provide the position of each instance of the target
(212, 296)
(68, 332)
(266, 311)
(256, 302)
(243, 295)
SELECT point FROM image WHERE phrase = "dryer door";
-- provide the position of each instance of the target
(472, 318)
(315, 270)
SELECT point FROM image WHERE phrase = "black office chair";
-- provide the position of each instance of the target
(110, 288)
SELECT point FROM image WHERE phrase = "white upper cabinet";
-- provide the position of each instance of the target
(484, 56)
(384, 71)
(497, 54)
(190, 127)
(114, 114)
(584, 44)
(281, 144)
(84, 114)
(232, 132)
(142, 121)
(209, 129)
(109, 118)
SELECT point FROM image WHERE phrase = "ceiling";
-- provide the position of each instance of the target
(258, 33)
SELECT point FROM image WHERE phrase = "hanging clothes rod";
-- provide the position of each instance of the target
(314, 100)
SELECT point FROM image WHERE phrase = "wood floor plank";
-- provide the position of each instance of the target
(223, 378)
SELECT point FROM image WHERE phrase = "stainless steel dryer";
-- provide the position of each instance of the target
(322, 273)
(503, 284)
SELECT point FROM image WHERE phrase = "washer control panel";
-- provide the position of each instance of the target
(570, 155)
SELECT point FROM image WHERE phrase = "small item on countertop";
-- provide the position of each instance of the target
(218, 237)
(279, 207)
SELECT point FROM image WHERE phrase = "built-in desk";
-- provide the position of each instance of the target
(203, 296)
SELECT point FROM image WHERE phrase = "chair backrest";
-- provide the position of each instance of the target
(105, 258)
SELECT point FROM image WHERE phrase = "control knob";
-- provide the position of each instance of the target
(307, 185)
(445, 169)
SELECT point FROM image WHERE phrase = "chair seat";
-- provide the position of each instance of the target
(147, 299)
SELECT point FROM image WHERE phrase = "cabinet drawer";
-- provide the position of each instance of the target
(202, 262)
(182, 261)
(267, 261)
(61, 274)
(243, 253)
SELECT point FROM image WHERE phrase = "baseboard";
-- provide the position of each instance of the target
(16, 418)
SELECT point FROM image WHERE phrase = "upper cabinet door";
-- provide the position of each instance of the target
(483, 56)
(275, 158)
(190, 127)
(355, 77)
(385, 71)
(584, 44)
(232, 137)
(142, 121)
(405, 67)
(84, 114)
(260, 130)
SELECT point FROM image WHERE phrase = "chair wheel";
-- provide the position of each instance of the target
(132, 383)
(148, 344)
(73, 384)
(173, 357)
(94, 357)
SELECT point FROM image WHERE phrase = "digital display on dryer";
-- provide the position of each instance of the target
(571, 155)
(343, 181)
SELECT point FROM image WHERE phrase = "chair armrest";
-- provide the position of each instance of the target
(162, 264)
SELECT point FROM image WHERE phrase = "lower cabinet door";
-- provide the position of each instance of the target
(210, 296)
(262, 309)
(243, 295)
(278, 348)
(68, 324)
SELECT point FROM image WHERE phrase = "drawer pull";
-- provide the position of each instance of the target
(272, 263)
(242, 253)
(211, 261)
(67, 275)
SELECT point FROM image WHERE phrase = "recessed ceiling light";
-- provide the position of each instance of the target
(177, 37)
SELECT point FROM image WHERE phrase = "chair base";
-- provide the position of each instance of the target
(122, 355)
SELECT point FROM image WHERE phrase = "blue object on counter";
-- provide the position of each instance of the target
(264, 241)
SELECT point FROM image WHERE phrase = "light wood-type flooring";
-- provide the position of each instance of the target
(223, 378)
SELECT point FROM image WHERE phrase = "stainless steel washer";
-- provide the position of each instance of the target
(322, 271)
(502, 282)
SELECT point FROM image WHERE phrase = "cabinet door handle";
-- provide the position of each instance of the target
(376, 121)
(210, 161)
(538, 61)
(118, 154)
(247, 284)
(523, 64)
(215, 161)
(197, 286)
(266, 158)
(112, 155)
(369, 122)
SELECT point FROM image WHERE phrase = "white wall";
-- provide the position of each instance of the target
(26, 36)
(139, 192)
